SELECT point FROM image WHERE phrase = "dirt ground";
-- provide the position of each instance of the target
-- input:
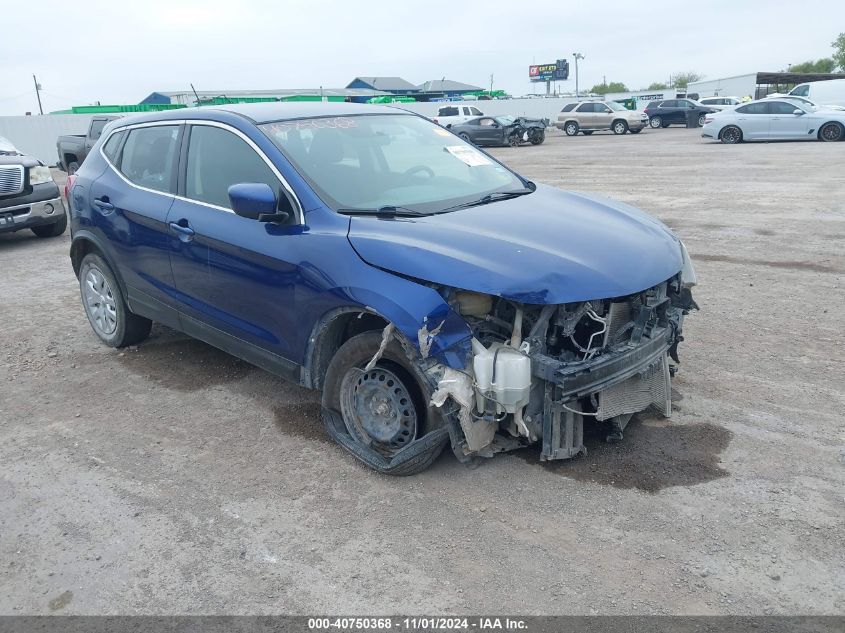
(172, 478)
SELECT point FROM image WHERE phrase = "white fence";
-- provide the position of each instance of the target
(36, 135)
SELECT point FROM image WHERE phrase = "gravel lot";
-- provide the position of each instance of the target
(172, 478)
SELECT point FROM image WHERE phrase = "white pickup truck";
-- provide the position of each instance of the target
(455, 113)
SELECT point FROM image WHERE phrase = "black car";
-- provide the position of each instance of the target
(501, 130)
(671, 111)
(29, 199)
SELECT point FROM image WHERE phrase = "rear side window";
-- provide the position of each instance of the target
(475, 111)
(111, 146)
(754, 108)
(149, 157)
(669, 104)
(569, 107)
(586, 107)
(448, 111)
(218, 159)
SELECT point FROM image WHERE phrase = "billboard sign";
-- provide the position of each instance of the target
(559, 71)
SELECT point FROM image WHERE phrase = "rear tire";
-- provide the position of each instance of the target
(831, 132)
(379, 416)
(655, 122)
(52, 230)
(619, 127)
(107, 312)
(571, 128)
(464, 136)
(730, 135)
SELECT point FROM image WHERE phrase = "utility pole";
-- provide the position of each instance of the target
(491, 84)
(38, 93)
(577, 56)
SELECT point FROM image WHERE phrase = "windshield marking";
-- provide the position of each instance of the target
(468, 155)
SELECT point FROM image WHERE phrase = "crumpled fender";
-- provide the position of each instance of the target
(421, 315)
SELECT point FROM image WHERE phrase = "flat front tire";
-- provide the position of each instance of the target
(385, 409)
(107, 312)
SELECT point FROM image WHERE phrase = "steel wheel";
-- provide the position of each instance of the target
(377, 404)
(731, 135)
(831, 132)
(655, 122)
(99, 302)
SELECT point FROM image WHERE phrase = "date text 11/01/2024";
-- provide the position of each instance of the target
(417, 624)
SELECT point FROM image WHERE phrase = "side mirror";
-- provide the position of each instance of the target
(256, 201)
(797, 112)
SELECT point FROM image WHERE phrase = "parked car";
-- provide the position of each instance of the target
(775, 119)
(593, 116)
(73, 148)
(804, 101)
(830, 92)
(501, 130)
(720, 103)
(452, 114)
(434, 295)
(672, 111)
(29, 199)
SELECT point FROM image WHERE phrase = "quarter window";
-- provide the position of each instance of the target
(110, 148)
(218, 159)
(569, 107)
(149, 157)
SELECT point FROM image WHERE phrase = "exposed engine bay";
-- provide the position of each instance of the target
(537, 373)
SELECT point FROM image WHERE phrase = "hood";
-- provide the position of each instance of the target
(19, 159)
(547, 247)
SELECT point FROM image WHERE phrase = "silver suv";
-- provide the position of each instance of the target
(591, 116)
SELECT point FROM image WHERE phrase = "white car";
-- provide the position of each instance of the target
(775, 119)
(455, 113)
(804, 100)
(720, 103)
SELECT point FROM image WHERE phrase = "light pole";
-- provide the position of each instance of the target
(577, 56)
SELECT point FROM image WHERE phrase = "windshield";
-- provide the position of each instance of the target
(6, 146)
(506, 119)
(374, 161)
(616, 107)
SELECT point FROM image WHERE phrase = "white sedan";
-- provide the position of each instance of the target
(775, 119)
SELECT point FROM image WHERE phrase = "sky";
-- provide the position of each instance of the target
(119, 51)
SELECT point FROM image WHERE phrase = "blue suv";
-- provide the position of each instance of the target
(433, 295)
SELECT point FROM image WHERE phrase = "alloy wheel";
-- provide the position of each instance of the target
(831, 132)
(99, 302)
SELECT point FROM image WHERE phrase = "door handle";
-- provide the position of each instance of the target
(187, 231)
(103, 204)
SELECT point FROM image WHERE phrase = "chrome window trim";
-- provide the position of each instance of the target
(300, 217)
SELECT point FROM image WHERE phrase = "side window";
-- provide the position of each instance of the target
(218, 159)
(602, 109)
(475, 111)
(585, 107)
(149, 157)
(569, 107)
(486, 122)
(754, 108)
(781, 107)
(97, 126)
(669, 104)
(801, 91)
(110, 148)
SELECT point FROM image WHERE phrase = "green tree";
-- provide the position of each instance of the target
(839, 51)
(823, 65)
(684, 78)
(657, 85)
(613, 86)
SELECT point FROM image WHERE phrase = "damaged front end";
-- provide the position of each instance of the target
(537, 372)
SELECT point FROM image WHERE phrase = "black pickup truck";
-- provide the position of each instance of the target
(29, 198)
(73, 148)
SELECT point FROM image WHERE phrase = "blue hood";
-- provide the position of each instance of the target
(548, 247)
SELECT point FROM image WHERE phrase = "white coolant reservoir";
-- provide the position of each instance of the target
(502, 377)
